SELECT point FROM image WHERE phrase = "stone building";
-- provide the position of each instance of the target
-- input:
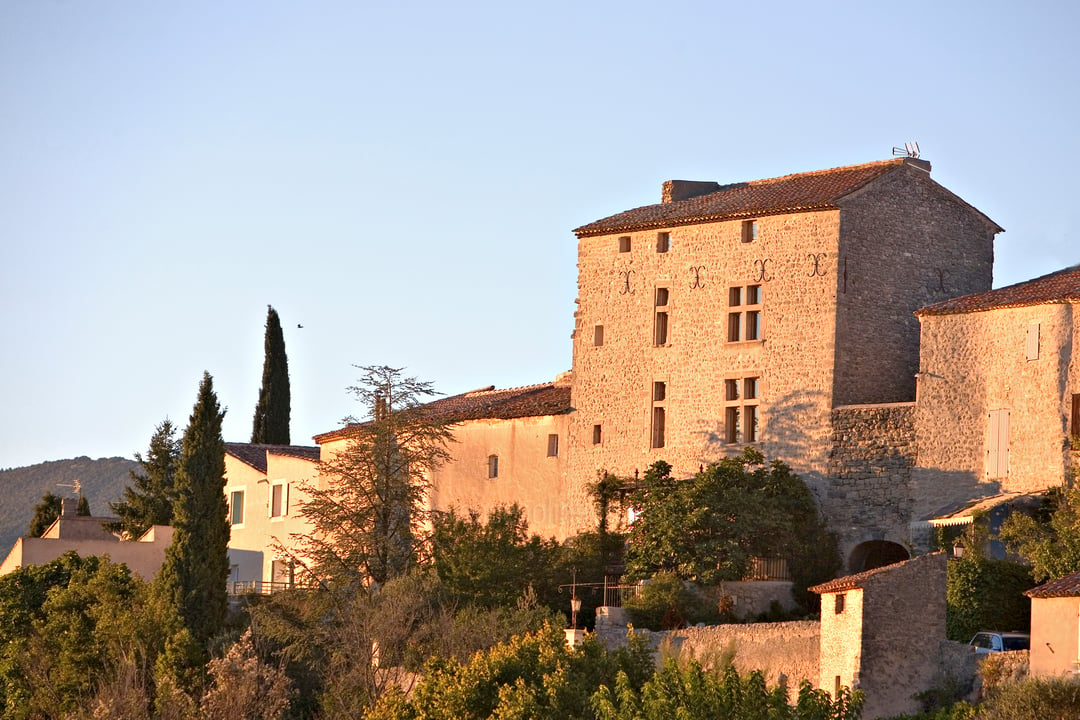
(883, 631)
(998, 408)
(756, 313)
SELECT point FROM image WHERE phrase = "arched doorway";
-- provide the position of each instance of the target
(874, 554)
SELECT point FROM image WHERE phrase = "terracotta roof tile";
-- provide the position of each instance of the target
(489, 403)
(850, 582)
(255, 454)
(1068, 586)
(1062, 286)
(802, 192)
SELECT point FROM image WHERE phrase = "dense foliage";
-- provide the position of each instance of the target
(45, 514)
(271, 424)
(1050, 538)
(708, 527)
(149, 499)
(196, 564)
(986, 594)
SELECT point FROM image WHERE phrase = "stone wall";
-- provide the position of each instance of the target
(869, 473)
(976, 363)
(788, 649)
(906, 242)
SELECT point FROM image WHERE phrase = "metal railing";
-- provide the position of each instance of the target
(236, 588)
(768, 569)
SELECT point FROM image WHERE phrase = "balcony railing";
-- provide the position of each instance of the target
(237, 588)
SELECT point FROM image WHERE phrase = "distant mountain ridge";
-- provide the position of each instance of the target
(103, 481)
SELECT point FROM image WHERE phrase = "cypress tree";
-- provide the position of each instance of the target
(272, 412)
(83, 509)
(196, 564)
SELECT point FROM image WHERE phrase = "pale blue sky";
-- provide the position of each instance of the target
(403, 180)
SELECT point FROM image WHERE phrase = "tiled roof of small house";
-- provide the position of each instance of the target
(850, 582)
(489, 403)
(1062, 286)
(802, 192)
(254, 454)
(1068, 586)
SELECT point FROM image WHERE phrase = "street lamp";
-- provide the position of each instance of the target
(575, 608)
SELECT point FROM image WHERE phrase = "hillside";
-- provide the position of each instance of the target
(103, 481)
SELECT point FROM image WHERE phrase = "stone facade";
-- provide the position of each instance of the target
(976, 373)
(831, 286)
(882, 632)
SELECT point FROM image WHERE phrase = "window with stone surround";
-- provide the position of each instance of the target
(741, 417)
(596, 435)
(553, 445)
(659, 413)
(663, 242)
(660, 322)
(598, 335)
(838, 605)
(749, 231)
(744, 313)
(493, 466)
(624, 244)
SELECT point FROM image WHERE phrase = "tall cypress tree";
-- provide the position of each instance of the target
(272, 413)
(196, 565)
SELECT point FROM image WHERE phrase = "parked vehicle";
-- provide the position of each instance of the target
(994, 642)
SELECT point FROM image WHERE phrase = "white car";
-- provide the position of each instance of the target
(995, 642)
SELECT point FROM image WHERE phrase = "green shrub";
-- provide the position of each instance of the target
(1033, 699)
(667, 603)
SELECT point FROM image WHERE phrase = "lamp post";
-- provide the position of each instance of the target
(575, 608)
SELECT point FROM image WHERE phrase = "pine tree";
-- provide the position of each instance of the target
(196, 564)
(368, 503)
(45, 514)
(272, 413)
(149, 500)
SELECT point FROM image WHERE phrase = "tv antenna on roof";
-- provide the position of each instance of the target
(910, 149)
(76, 486)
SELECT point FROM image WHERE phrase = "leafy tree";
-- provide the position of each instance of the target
(367, 507)
(150, 500)
(196, 565)
(490, 563)
(689, 691)
(45, 514)
(535, 676)
(1050, 538)
(271, 423)
(708, 527)
(983, 592)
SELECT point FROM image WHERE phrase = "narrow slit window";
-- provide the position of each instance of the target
(493, 466)
(660, 321)
(624, 244)
(659, 391)
(553, 445)
(598, 335)
(658, 427)
(663, 242)
(749, 231)
(731, 425)
(596, 435)
(838, 606)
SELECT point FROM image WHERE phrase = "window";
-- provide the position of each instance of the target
(595, 434)
(663, 242)
(624, 244)
(236, 507)
(660, 326)
(659, 412)
(1076, 421)
(997, 446)
(749, 231)
(741, 416)
(838, 606)
(553, 446)
(598, 335)
(744, 313)
(279, 499)
(493, 466)
(1032, 344)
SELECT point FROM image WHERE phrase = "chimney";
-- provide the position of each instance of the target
(68, 507)
(918, 162)
(676, 190)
